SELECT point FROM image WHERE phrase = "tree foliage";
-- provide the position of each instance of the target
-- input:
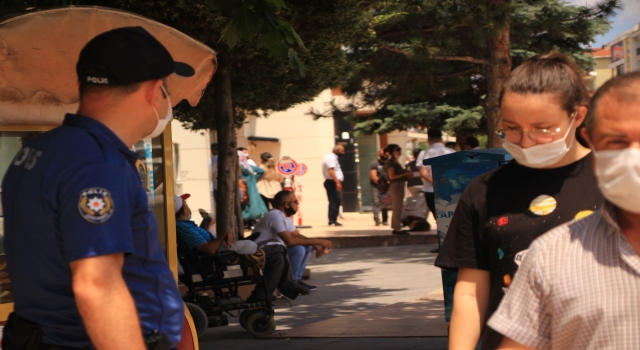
(427, 62)
(261, 79)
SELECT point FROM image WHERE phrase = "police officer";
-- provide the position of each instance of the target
(82, 245)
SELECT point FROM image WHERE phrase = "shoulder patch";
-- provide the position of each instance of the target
(95, 205)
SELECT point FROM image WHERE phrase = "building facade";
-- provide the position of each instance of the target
(625, 51)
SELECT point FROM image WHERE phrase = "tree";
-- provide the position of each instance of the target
(253, 79)
(263, 63)
(441, 59)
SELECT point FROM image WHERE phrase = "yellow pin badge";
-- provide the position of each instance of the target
(95, 205)
(543, 205)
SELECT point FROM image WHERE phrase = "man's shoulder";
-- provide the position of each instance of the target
(273, 214)
(564, 235)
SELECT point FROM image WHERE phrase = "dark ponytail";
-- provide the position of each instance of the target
(553, 73)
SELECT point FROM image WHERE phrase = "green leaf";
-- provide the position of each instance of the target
(294, 62)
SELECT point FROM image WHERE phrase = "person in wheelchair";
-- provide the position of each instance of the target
(205, 241)
(277, 232)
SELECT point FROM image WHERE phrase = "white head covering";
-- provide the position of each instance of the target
(244, 161)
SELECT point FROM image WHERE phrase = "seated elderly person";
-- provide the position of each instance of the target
(203, 240)
(192, 235)
(278, 235)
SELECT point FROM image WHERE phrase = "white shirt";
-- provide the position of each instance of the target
(435, 150)
(270, 225)
(330, 161)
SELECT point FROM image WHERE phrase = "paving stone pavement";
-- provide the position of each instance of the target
(354, 285)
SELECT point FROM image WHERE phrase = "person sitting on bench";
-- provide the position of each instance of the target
(277, 233)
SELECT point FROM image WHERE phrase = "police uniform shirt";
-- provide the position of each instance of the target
(502, 211)
(74, 193)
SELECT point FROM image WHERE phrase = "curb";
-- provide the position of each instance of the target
(380, 241)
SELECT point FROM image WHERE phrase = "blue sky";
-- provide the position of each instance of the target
(624, 19)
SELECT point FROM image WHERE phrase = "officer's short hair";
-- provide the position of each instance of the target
(86, 89)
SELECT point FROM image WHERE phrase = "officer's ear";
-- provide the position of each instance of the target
(153, 92)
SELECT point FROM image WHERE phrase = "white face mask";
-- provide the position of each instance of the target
(618, 173)
(540, 156)
(162, 123)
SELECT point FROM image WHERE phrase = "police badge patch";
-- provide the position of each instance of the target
(95, 205)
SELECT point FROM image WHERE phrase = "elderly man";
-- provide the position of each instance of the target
(579, 285)
(83, 252)
(333, 182)
(192, 235)
(202, 240)
(277, 232)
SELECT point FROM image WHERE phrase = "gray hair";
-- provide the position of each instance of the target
(626, 87)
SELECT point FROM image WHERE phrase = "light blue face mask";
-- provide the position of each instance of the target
(162, 123)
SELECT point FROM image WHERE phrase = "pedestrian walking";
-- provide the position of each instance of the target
(271, 181)
(501, 212)
(415, 186)
(398, 177)
(436, 149)
(333, 182)
(579, 285)
(87, 267)
(379, 183)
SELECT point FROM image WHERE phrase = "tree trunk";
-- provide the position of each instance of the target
(227, 151)
(238, 210)
(498, 71)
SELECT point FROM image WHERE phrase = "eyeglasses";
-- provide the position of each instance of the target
(514, 135)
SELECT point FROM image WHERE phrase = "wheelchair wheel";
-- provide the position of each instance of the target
(244, 315)
(259, 324)
(200, 320)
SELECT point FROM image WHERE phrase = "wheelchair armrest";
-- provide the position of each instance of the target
(214, 257)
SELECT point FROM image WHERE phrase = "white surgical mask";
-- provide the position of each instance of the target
(618, 173)
(540, 156)
(162, 123)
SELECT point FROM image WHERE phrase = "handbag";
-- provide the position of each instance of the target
(383, 183)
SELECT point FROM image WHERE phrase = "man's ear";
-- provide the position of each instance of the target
(153, 93)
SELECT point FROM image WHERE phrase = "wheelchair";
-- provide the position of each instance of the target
(212, 282)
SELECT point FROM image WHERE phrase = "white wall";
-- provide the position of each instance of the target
(192, 167)
(300, 137)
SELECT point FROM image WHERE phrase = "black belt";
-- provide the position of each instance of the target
(44, 346)
(154, 341)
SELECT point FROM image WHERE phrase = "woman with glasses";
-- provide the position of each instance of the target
(501, 212)
(398, 177)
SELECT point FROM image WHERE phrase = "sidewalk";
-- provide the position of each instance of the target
(367, 298)
(359, 230)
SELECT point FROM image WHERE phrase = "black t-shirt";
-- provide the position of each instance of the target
(378, 166)
(503, 211)
(416, 180)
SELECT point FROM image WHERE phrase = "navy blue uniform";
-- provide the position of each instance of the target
(74, 193)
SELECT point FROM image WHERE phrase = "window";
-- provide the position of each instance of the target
(620, 69)
(10, 143)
